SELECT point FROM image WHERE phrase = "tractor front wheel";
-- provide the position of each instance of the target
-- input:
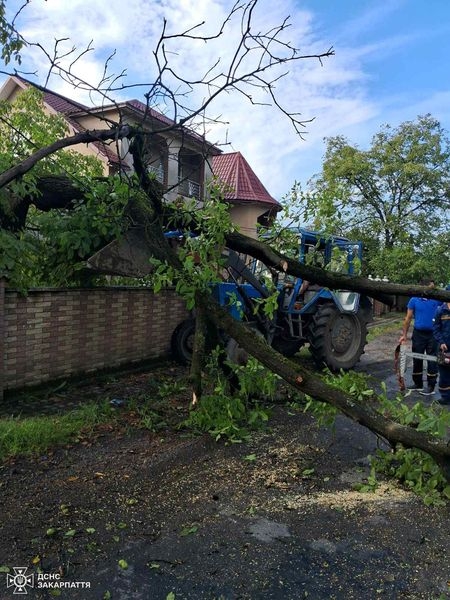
(337, 339)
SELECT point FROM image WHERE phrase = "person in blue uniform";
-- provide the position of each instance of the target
(422, 311)
(441, 332)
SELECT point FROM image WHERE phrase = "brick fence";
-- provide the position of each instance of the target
(379, 308)
(54, 333)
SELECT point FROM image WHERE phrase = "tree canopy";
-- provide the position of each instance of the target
(395, 196)
(51, 248)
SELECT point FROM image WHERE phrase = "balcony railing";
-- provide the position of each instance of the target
(189, 188)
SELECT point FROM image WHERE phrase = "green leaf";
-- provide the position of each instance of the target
(307, 472)
(122, 564)
(427, 424)
(70, 533)
(90, 530)
(4, 569)
(250, 457)
(189, 530)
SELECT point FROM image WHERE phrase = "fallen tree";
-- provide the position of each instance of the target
(294, 374)
(134, 253)
(145, 240)
(307, 382)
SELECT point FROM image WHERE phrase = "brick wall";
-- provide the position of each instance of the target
(379, 308)
(53, 333)
(2, 335)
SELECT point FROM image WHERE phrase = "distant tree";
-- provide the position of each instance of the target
(405, 263)
(394, 195)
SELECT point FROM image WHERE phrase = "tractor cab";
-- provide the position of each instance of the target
(334, 253)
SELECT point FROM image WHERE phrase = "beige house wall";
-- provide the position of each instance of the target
(246, 217)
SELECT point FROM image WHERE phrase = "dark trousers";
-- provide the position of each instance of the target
(423, 342)
(444, 383)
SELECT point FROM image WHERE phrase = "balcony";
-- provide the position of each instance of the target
(190, 189)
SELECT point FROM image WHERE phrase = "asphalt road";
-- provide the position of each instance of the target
(280, 518)
(277, 518)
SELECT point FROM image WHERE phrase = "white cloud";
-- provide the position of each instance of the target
(370, 19)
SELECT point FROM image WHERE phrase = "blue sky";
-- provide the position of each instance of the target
(390, 65)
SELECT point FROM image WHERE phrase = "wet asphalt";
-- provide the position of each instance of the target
(286, 525)
(277, 518)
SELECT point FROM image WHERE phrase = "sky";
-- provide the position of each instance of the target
(390, 65)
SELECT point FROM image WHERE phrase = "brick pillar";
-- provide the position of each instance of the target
(2, 336)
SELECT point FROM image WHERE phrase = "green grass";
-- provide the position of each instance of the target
(37, 434)
(377, 330)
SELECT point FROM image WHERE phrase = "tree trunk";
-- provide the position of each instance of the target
(198, 353)
(52, 192)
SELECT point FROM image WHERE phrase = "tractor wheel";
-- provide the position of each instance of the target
(182, 342)
(337, 339)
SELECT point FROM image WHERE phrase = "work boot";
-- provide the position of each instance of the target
(416, 387)
(428, 390)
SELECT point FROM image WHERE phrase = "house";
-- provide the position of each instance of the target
(250, 202)
(182, 160)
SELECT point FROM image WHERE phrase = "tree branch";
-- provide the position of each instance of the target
(85, 137)
(380, 290)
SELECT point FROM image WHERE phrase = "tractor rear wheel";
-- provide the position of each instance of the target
(337, 339)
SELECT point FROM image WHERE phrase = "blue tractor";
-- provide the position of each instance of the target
(333, 323)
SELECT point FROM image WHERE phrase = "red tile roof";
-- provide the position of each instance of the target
(72, 109)
(56, 101)
(241, 182)
(142, 109)
(69, 107)
(60, 103)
